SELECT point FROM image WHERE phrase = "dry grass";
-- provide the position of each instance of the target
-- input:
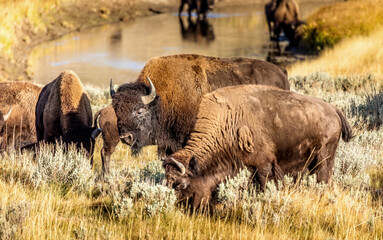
(342, 20)
(355, 56)
(132, 203)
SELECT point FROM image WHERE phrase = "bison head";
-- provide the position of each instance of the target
(83, 138)
(136, 107)
(4, 118)
(191, 187)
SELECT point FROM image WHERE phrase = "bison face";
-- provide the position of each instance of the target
(176, 174)
(83, 138)
(136, 115)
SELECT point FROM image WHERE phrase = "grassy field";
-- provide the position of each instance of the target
(58, 196)
(338, 21)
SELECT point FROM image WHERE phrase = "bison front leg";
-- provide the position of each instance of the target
(106, 154)
(181, 7)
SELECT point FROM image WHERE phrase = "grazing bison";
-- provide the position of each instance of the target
(108, 123)
(63, 111)
(164, 113)
(20, 128)
(201, 6)
(270, 131)
(282, 14)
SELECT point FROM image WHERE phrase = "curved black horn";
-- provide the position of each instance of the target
(152, 95)
(180, 166)
(8, 114)
(112, 92)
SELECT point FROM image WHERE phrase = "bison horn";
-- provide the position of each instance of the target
(95, 133)
(8, 114)
(112, 92)
(152, 95)
(180, 166)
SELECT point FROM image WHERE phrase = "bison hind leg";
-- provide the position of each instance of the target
(323, 163)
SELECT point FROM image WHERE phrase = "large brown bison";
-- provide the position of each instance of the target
(164, 113)
(282, 14)
(63, 112)
(270, 131)
(108, 123)
(201, 6)
(20, 128)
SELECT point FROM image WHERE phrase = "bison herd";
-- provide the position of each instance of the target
(209, 117)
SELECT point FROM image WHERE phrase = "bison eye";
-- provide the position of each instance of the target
(181, 186)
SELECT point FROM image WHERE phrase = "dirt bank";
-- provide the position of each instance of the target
(59, 17)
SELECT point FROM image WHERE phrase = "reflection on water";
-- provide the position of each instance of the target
(119, 51)
(197, 30)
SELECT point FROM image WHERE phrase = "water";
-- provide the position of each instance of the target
(119, 51)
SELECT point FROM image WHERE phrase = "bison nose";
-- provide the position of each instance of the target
(128, 138)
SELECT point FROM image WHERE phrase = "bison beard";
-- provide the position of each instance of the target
(270, 131)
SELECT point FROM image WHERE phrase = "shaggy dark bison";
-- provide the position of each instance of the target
(282, 14)
(270, 131)
(201, 6)
(63, 112)
(164, 112)
(20, 128)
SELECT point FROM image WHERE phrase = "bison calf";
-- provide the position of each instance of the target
(270, 131)
(108, 123)
(63, 112)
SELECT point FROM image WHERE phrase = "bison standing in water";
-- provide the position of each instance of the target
(63, 112)
(201, 6)
(282, 14)
(270, 131)
(164, 113)
(20, 127)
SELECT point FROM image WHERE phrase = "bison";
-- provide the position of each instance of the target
(201, 6)
(108, 123)
(20, 128)
(164, 113)
(3, 119)
(63, 112)
(282, 14)
(270, 131)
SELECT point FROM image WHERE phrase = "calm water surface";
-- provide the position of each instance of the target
(119, 51)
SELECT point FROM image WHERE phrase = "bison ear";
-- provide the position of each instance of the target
(193, 166)
(95, 133)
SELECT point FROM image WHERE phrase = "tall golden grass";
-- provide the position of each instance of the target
(355, 56)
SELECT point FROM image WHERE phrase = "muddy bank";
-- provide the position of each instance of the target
(84, 14)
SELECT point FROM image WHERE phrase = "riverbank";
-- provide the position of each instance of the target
(27, 23)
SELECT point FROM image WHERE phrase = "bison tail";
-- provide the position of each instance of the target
(346, 128)
(96, 118)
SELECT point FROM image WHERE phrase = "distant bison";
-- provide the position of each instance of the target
(20, 128)
(270, 131)
(164, 113)
(108, 123)
(63, 112)
(282, 14)
(201, 6)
